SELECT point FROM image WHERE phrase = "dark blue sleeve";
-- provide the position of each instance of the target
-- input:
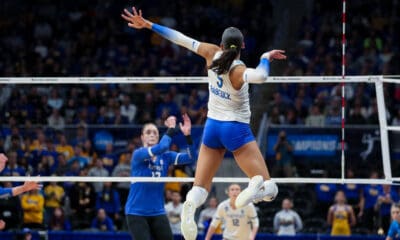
(147, 152)
(183, 158)
(5, 192)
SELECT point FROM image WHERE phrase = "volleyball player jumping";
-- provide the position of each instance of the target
(227, 126)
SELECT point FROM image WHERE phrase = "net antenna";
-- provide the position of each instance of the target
(343, 87)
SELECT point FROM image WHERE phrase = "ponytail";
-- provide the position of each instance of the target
(222, 64)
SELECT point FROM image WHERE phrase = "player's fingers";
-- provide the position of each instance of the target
(134, 11)
(129, 14)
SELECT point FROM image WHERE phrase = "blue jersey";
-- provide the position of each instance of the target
(394, 230)
(147, 199)
(352, 191)
(5, 192)
(371, 193)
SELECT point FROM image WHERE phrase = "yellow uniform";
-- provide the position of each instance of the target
(33, 206)
(341, 220)
(54, 195)
(67, 150)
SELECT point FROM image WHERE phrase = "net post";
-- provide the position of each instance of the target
(380, 100)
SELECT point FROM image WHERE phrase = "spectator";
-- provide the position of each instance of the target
(341, 216)
(176, 171)
(238, 223)
(62, 165)
(33, 209)
(98, 171)
(352, 191)
(54, 196)
(55, 101)
(128, 109)
(325, 195)
(108, 199)
(356, 116)
(287, 221)
(58, 221)
(83, 200)
(12, 168)
(64, 148)
(55, 120)
(81, 136)
(284, 158)
(88, 151)
(316, 118)
(368, 200)
(118, 118)
(123, 169)
(102, 222)
(79, 157)
(207, 214)
(109, 158)
(173, 210)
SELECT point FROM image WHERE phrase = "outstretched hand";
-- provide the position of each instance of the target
(274, 54)
(186, 127)
(135, 20)
(31, 185)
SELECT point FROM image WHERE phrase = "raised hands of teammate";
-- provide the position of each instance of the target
(135, 19)
(274, 54)
(170, 122)
(186, 127)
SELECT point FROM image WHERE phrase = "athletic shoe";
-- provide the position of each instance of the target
(188, 225)
(267, 193)
(247, 195)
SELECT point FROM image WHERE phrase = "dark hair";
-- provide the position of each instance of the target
(222, 64)
(232, 40)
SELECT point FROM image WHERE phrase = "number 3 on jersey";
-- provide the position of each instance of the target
(220, 81)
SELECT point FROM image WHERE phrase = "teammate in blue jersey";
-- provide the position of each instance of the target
(228, 117)
(8, 192)
(144, 209)
(394, 229)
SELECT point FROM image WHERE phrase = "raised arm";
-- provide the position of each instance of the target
(136, 20)
(163, 146)
(191, 155)
(241, 74)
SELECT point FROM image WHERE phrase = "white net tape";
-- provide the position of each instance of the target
(182, 179)
(378, 80)
(187, 80)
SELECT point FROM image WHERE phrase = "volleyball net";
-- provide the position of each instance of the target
(377, 82)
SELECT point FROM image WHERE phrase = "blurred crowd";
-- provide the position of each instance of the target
(371, 49)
